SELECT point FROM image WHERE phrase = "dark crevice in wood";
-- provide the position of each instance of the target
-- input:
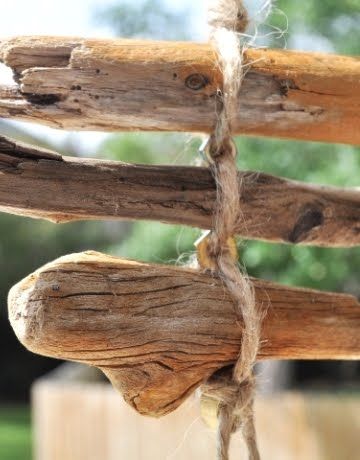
(42, 99)
(311, 217)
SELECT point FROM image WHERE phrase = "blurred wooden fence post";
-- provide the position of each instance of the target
(91, 422)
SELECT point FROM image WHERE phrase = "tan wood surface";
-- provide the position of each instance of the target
(91, 422)
(158, 331)
(41, 184)
(111, 85)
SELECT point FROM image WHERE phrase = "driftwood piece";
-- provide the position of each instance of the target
(41, 184)
(158, 331)
(111, 85)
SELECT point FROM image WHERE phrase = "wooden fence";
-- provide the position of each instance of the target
(90, 422)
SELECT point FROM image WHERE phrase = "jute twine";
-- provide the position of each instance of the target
(234, 392)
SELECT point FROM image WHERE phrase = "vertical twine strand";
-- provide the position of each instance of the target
(235, 393)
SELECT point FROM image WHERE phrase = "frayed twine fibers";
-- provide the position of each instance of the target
(234, 393)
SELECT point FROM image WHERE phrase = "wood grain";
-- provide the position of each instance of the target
(112, 85)
(158, 331)
(42, 184)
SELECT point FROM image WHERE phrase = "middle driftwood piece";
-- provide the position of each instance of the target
(159, 331)
(38, 183)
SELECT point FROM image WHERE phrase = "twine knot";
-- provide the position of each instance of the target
(228, 393)
(228, 14)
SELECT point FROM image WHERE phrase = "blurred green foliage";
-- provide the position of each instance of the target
(147, 18)
(337, 22)
(15, 433)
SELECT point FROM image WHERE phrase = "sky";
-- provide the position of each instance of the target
(70, 17)
(65, 17)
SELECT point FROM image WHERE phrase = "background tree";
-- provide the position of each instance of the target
(149, 18)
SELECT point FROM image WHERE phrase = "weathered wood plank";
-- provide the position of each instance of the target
(111, 85)
(158, 331)
(42, 184)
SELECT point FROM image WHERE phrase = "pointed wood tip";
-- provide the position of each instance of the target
(31, 297)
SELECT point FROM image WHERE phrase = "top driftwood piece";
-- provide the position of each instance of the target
(111, 85)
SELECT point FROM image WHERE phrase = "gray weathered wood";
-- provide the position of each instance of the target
(158, 331)
(112, 85)
(41, 184)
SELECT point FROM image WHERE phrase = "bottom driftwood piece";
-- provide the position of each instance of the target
(74, 421)
(158, 331)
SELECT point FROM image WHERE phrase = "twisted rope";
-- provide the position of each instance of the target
(235, 393)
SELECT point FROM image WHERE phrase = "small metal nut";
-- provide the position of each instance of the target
(205, 259)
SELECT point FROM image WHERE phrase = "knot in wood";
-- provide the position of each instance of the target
(221, 147)
(196, 81)
(218, 146)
